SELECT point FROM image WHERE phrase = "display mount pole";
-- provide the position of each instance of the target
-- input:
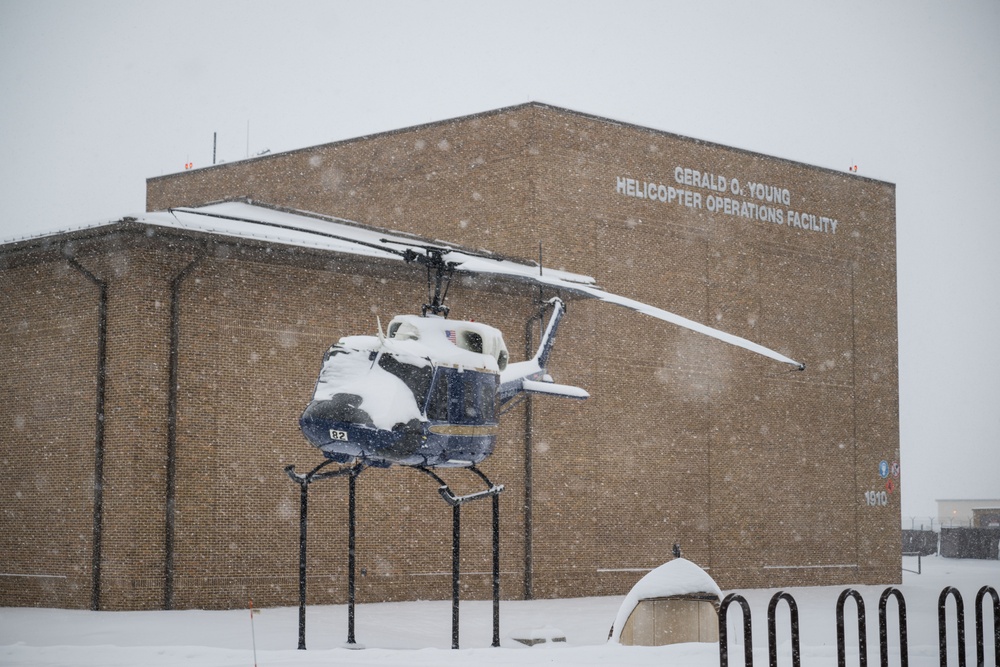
(456, 502)
(493, 491)
(304, 481)
(351, 558)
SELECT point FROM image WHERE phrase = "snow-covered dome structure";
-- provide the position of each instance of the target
(675, 603)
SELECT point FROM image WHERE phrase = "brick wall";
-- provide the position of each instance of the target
(758, 473)
(48, 393)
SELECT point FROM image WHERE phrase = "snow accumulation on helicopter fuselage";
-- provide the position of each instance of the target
(422, 395)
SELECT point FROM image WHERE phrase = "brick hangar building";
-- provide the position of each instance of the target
(152, 377)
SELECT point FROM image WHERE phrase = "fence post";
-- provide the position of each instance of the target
(943, 627)
(862, 632)
(772, 633)
(883, 634)
(724, 633)
(980, 648)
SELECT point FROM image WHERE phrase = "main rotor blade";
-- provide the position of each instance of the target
(595, 292)
(673, 318)
(295, 227)
(361, 243)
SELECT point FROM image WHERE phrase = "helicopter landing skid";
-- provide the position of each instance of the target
(453, 500)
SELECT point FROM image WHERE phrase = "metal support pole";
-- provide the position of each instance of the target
(496, 555)
(456, 537)
(303, 523)
(351, 562)
(496, 571)
(101, 385)
(494, 491)
(304, 481)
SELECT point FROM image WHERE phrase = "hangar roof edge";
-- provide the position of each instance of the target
(249, 221)
(518, 107)
(300, 229)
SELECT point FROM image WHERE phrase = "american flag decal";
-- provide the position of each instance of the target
(451, 335)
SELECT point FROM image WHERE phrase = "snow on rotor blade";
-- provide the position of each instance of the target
(673, 318)
(242, 219)
(579, 285)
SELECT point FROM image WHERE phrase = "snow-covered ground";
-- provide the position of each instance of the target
(419, 633)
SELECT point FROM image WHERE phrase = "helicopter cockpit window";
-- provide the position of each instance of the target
(468, 397)
(403, 331)
(417, 378)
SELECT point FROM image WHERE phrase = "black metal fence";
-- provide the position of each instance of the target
(953, 542)
(980, 605)
(923, 542)
(980, 543)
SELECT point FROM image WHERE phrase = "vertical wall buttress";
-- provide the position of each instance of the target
(102, 335)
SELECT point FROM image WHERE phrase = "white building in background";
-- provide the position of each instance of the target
(960, 512)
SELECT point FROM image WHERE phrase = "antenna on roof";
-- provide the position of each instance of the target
(214, 138)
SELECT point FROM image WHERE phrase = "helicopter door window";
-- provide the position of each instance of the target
(469, 396)
(487, 397)
(437, 406)
(478, 397)
(417, 378)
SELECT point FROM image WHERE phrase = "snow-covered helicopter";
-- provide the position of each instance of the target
(427, 393)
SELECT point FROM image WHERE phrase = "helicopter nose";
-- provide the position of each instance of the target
(339, 408)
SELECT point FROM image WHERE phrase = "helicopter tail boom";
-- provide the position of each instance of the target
(549, 337)
(530, 376)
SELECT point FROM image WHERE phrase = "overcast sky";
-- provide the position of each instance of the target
(98, 96)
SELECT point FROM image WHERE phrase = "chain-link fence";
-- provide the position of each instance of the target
(934, 523)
